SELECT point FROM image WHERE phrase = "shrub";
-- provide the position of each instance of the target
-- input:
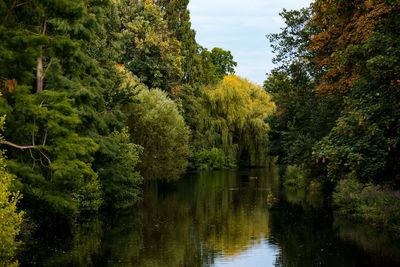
(210, 159)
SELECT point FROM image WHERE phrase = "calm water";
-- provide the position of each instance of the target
(218, 219)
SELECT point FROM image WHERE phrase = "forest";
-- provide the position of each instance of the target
(100, 97)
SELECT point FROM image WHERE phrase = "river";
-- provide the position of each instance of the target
(219, 218)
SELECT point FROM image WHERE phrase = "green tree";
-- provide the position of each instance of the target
(362, 63)
(151, 51)
(177, 15)
(303, 116)
(10, 217)
(116, 163)
(231, 116)
(59, 98)
(156, 124)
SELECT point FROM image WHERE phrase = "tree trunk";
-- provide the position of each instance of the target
(39, 74)
(39, 65)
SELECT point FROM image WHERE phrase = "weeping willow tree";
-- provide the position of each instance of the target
(232, 117)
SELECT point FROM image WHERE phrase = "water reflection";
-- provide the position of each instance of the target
(214, 219)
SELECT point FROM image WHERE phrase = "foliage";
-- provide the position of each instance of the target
(151, 51)
(116, 163)
(297, 124)
(156, 124)
(295, 177)
(200, 66)
(365, 68)
(72, 46)
(367, 202)
(337, 91)
(10, 217)
(210, 159)
(57, 176)
(234, 120)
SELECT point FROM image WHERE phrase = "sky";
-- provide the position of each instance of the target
(241, 26)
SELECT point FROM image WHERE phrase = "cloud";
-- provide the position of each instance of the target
(240, 26)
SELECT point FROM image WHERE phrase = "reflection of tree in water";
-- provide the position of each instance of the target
(305, 238)
(187, 223)
(232, 212)
(81, 248)
(379, 244)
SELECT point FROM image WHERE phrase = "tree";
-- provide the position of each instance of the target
(116, 163)
(303, 116)
(156, 124)
(10, 217)
(151, 51)
(58, 100)
(232, 117)
(360, 54)
(177, 15)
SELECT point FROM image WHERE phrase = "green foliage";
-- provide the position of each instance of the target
(151, 51)
(295, 177)
(57, 176)
(337, 91)
(210, 159)
(232, 117)
(367, 202)
(73, 48)
(303, 117)
(116, 163)
(156, 124)
(10, 217)
(364, 141)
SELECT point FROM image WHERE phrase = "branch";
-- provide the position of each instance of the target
(17, 146)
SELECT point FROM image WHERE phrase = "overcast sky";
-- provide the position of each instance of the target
(240, 26)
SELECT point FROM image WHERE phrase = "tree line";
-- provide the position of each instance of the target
(98, 96)
(337, 90)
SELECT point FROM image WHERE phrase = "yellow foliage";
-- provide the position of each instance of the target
(238, 112)
(129, 79)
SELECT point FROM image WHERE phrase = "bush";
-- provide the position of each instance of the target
(211, 159)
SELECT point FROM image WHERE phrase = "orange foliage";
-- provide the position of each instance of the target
(10, 85)
(345, 25)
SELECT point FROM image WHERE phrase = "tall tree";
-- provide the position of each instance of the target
(360, 54)
(58, 98)
(303, 116)
(156, 124)
(231, 116)
(151, 50)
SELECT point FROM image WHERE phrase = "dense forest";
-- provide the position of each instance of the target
(337, 91)
(100, 96)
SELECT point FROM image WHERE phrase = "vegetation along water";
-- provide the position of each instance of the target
(114, 120)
